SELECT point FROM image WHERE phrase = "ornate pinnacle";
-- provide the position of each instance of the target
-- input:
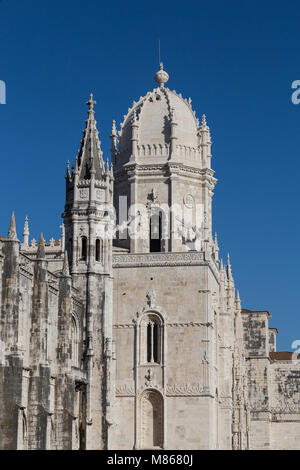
(113, 129)
(134, 117)
(26, 227)
(216, 241)
(26, 232)
(41, 248)
(12, 232)
(203, 122)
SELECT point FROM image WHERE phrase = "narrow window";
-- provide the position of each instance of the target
(83, 248)
(149, 346)
(74, 343)
(98, 250)
(155, 232)
(152, 341)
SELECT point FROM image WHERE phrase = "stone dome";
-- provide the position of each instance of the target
(153, 114)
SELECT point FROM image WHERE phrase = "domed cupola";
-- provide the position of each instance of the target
(158, 127)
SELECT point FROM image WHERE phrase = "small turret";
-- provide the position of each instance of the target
(26, 233)
(216, 248)
(205, 143)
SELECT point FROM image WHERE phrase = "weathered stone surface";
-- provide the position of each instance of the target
(139, 345)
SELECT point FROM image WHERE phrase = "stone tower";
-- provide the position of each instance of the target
(88, 221)
(167, 280)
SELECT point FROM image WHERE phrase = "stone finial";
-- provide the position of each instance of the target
(161, 77)
(91, 102)
(68, 174)
(65, 269)
(203, 122)
(12, 232)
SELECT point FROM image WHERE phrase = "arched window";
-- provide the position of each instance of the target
(151, 420)
(155, 232)
(150, 343)
(83, 248)
(74, 342)
(98, 250)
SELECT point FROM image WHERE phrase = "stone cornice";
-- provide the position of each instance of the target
(191, 258)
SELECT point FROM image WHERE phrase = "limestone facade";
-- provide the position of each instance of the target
(128, 332)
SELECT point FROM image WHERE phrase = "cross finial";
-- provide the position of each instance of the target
(91, 102)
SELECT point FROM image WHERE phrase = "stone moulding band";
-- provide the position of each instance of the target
(174, 390)
(161, 259)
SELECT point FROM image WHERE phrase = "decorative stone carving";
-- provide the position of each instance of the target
(151, 298)
(125, 390)
(83, 193)
(189, 201)
(183, 390)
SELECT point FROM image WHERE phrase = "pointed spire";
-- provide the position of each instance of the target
(65, 269)
(216, 241)
(229, 272)
(216, 248)
(203, 122)
(90, 153)
(26, 232)
(114, 139)
(238, 301)
(41, 248)
(68, 174)
(12, 232)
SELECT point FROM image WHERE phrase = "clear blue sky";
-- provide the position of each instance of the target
(235, 59)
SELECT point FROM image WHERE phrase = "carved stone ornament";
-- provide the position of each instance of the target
(83, 193)
(189, 201)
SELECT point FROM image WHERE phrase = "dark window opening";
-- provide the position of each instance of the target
(155, 233)
(84, 248)
(155, 342)
(98, 250)
(152, 341)
(149, 342)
